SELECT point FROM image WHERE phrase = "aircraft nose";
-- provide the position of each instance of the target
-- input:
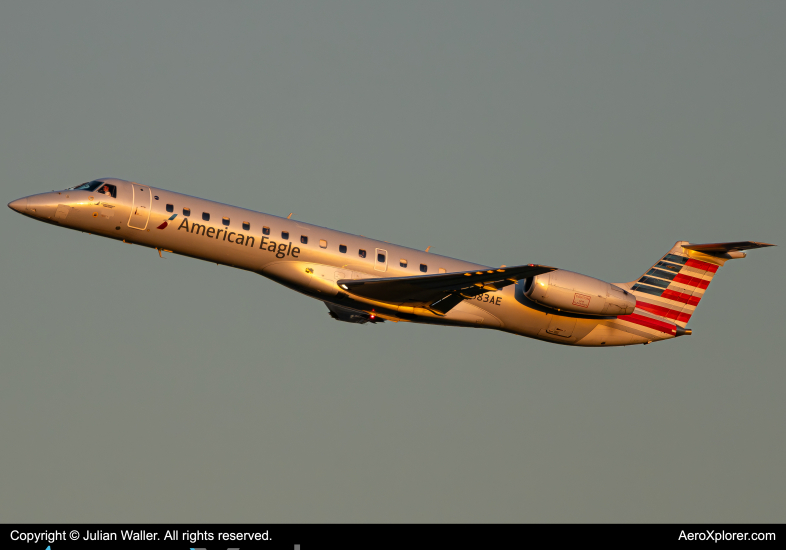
(20, 205)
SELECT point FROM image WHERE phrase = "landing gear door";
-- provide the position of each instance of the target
(140, 206)
(380, 260)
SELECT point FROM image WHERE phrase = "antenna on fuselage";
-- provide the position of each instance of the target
(290, 215)
(427, 248)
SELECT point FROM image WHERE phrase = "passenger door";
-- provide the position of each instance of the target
(140, 206)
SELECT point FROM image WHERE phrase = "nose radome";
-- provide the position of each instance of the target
(20, 205)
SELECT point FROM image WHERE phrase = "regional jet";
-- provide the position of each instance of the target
(363, 280)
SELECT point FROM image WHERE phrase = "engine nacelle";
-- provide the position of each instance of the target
(576, 293)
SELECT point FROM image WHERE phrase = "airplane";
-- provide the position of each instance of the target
(363, 280)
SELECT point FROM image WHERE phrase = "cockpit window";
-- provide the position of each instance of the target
(89, 186)
(108, 190)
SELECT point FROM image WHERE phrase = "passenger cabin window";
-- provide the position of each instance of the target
(206, 216)
(342, 248)
(442, 270)
(170, 207)
(266, 231)
(402, 262)
(304, 239)
(225, 221)
(246, 226)
(186, 211)
(285, 235)
(381, 258)
(362, 253)
(322, 243)
(423, 268)
(108, 190)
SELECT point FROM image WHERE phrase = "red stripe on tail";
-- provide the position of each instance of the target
(704, 266)
(679, 297)
(663, 311)
(649, 323)
(692, 281)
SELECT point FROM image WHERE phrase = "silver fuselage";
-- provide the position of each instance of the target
(308, 258)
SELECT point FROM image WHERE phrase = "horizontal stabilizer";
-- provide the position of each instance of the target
(716, 248)
(440, 292)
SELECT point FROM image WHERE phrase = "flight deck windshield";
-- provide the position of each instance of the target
(89, 186)
(100, 186)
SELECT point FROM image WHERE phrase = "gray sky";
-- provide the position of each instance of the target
(586, 135)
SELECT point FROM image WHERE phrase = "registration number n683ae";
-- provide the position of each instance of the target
(496, 300)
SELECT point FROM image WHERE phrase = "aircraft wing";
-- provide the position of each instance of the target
(725, 247)
(440, 292)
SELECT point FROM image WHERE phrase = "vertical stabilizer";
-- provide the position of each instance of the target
(674, 286)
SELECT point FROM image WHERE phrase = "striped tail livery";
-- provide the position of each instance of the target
(668, 294)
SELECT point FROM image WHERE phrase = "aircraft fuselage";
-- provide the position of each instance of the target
(311, 259)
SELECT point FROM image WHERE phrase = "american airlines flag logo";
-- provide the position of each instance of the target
(166, 222)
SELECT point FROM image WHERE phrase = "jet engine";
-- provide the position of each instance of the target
(575, 293)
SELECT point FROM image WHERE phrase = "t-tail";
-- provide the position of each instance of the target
(673, 288)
